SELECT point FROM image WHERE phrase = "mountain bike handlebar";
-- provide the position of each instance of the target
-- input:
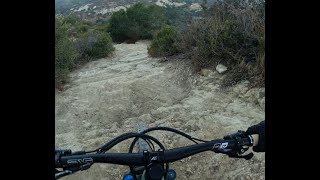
(233, 145)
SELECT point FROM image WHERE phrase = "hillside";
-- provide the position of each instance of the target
(95, 9)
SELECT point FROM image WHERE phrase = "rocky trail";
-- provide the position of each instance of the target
(107, 97)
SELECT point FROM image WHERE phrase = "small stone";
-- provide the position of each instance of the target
(221, 68)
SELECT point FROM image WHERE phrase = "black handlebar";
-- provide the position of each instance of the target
(166, 156)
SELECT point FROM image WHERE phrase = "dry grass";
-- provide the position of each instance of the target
(231, 33)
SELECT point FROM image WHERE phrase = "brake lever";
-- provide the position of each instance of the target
(71, 169)
(238, 150)
(61, 174)
(234, 153)
(246, 157)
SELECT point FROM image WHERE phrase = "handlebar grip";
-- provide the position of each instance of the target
(58, 154)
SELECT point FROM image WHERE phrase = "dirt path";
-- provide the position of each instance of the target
(107, 97)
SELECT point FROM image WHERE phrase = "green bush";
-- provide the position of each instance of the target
(156, 20)
(76, 44)
(102, 47)
(137, 22)
(163, 44)
(94, 45)
(101, 27)
(65, 52)
(65, 55)
(72, 19)
(119, 26)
